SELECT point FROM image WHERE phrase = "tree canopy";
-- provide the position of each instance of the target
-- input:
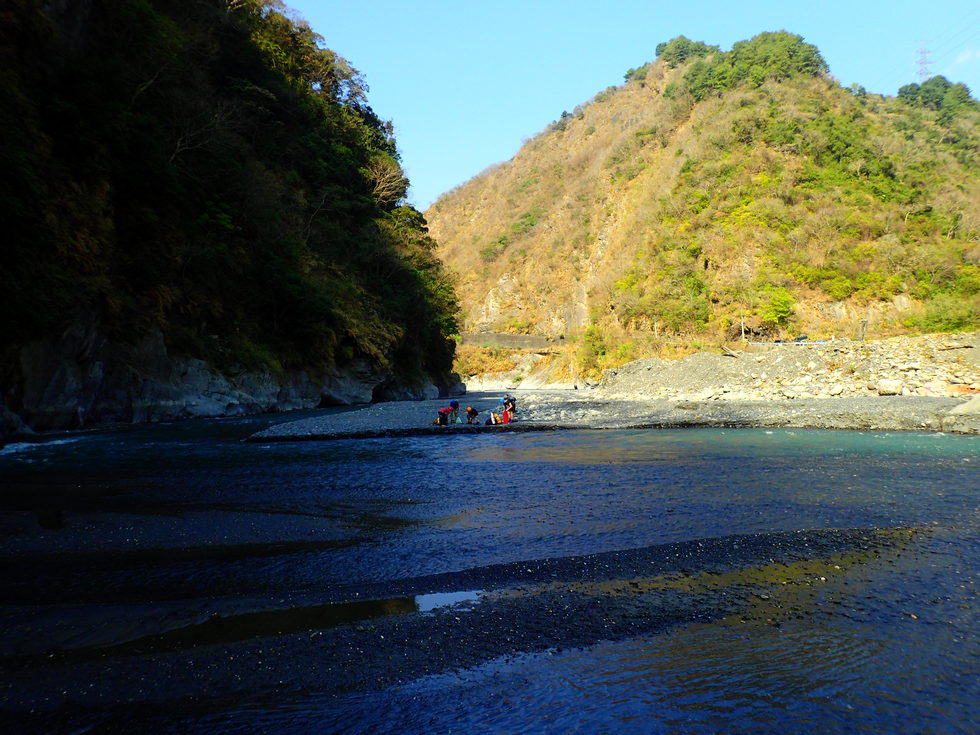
(679, 50)
(212, 170)
(768, 56)
(938, 93)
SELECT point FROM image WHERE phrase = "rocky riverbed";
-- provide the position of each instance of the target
(926, 365)
(586, 409)
(925, 383)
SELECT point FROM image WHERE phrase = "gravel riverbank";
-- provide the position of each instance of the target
(553, 410)
(935, 365)
(921, 383)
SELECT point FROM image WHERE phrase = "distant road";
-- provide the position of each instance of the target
(512, 341)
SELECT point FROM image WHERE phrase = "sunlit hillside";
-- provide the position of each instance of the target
(721, 193)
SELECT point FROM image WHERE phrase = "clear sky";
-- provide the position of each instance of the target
(466, 82)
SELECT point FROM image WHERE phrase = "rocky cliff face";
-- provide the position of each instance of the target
(125, 237)
(84, 379)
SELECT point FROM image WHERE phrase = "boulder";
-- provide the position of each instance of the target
(889, 387)
(971, 407)
(12, 426)
(395, 391)
(964, 418)
(354, 382)
(82, 379)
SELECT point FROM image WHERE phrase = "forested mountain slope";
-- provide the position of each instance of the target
(715, 189)
(210, 175)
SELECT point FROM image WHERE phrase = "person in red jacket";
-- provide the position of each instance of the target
(448, 415)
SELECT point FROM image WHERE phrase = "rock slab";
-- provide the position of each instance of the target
(84, 379)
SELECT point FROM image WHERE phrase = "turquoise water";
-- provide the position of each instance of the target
(120, 548)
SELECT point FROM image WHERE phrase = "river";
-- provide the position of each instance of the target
(174, 579)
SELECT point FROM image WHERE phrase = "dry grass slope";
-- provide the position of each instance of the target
(647, 221)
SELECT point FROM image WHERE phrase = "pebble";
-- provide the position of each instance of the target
(834, 385)
(933, 365)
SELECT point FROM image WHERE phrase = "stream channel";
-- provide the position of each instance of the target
(173, 579)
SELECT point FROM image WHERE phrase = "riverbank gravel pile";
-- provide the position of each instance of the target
(555, 410)
(885, 413)
(903, 383)
(928, 365)
(925, 383)
(392, 418)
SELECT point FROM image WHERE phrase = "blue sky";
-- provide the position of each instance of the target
(465, 82)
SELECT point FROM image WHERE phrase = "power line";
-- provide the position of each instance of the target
(955, 35)
(957, 48)
(951, 37)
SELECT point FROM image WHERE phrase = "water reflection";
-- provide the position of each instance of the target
(214, 629)
(641, 445)
(523, 583)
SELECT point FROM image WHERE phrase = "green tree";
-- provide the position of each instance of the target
(938, 93)
(777, 306)
(679, 50)
(932, 92)
(958, 95)
(212, 171)
(777, 56)
(909, 93)
(639, 74)
(956, 99)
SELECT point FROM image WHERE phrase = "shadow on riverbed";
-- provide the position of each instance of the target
(470, 616)
(454, 430)
(372, 637)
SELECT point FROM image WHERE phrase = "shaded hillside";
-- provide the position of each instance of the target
(715, 189)
(208, 171)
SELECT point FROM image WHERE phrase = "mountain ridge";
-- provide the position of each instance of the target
(706, 193)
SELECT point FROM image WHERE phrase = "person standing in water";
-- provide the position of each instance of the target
(510, 408)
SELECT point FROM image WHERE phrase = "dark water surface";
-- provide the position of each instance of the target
(175, 579)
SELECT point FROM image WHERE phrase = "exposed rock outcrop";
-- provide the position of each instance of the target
(84, 379)
(965, 418)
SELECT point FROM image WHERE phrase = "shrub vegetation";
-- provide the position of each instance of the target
(212, 170)
(720, 186)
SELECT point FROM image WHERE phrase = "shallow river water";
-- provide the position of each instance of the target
(174, 579)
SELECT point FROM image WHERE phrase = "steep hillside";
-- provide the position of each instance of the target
(716, 190)
(206, 178)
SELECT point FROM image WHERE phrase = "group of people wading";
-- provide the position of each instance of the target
(504, 413)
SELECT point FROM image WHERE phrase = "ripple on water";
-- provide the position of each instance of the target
(704, 679)
(294, 518)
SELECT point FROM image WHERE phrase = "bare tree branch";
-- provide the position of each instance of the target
(387, 179)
